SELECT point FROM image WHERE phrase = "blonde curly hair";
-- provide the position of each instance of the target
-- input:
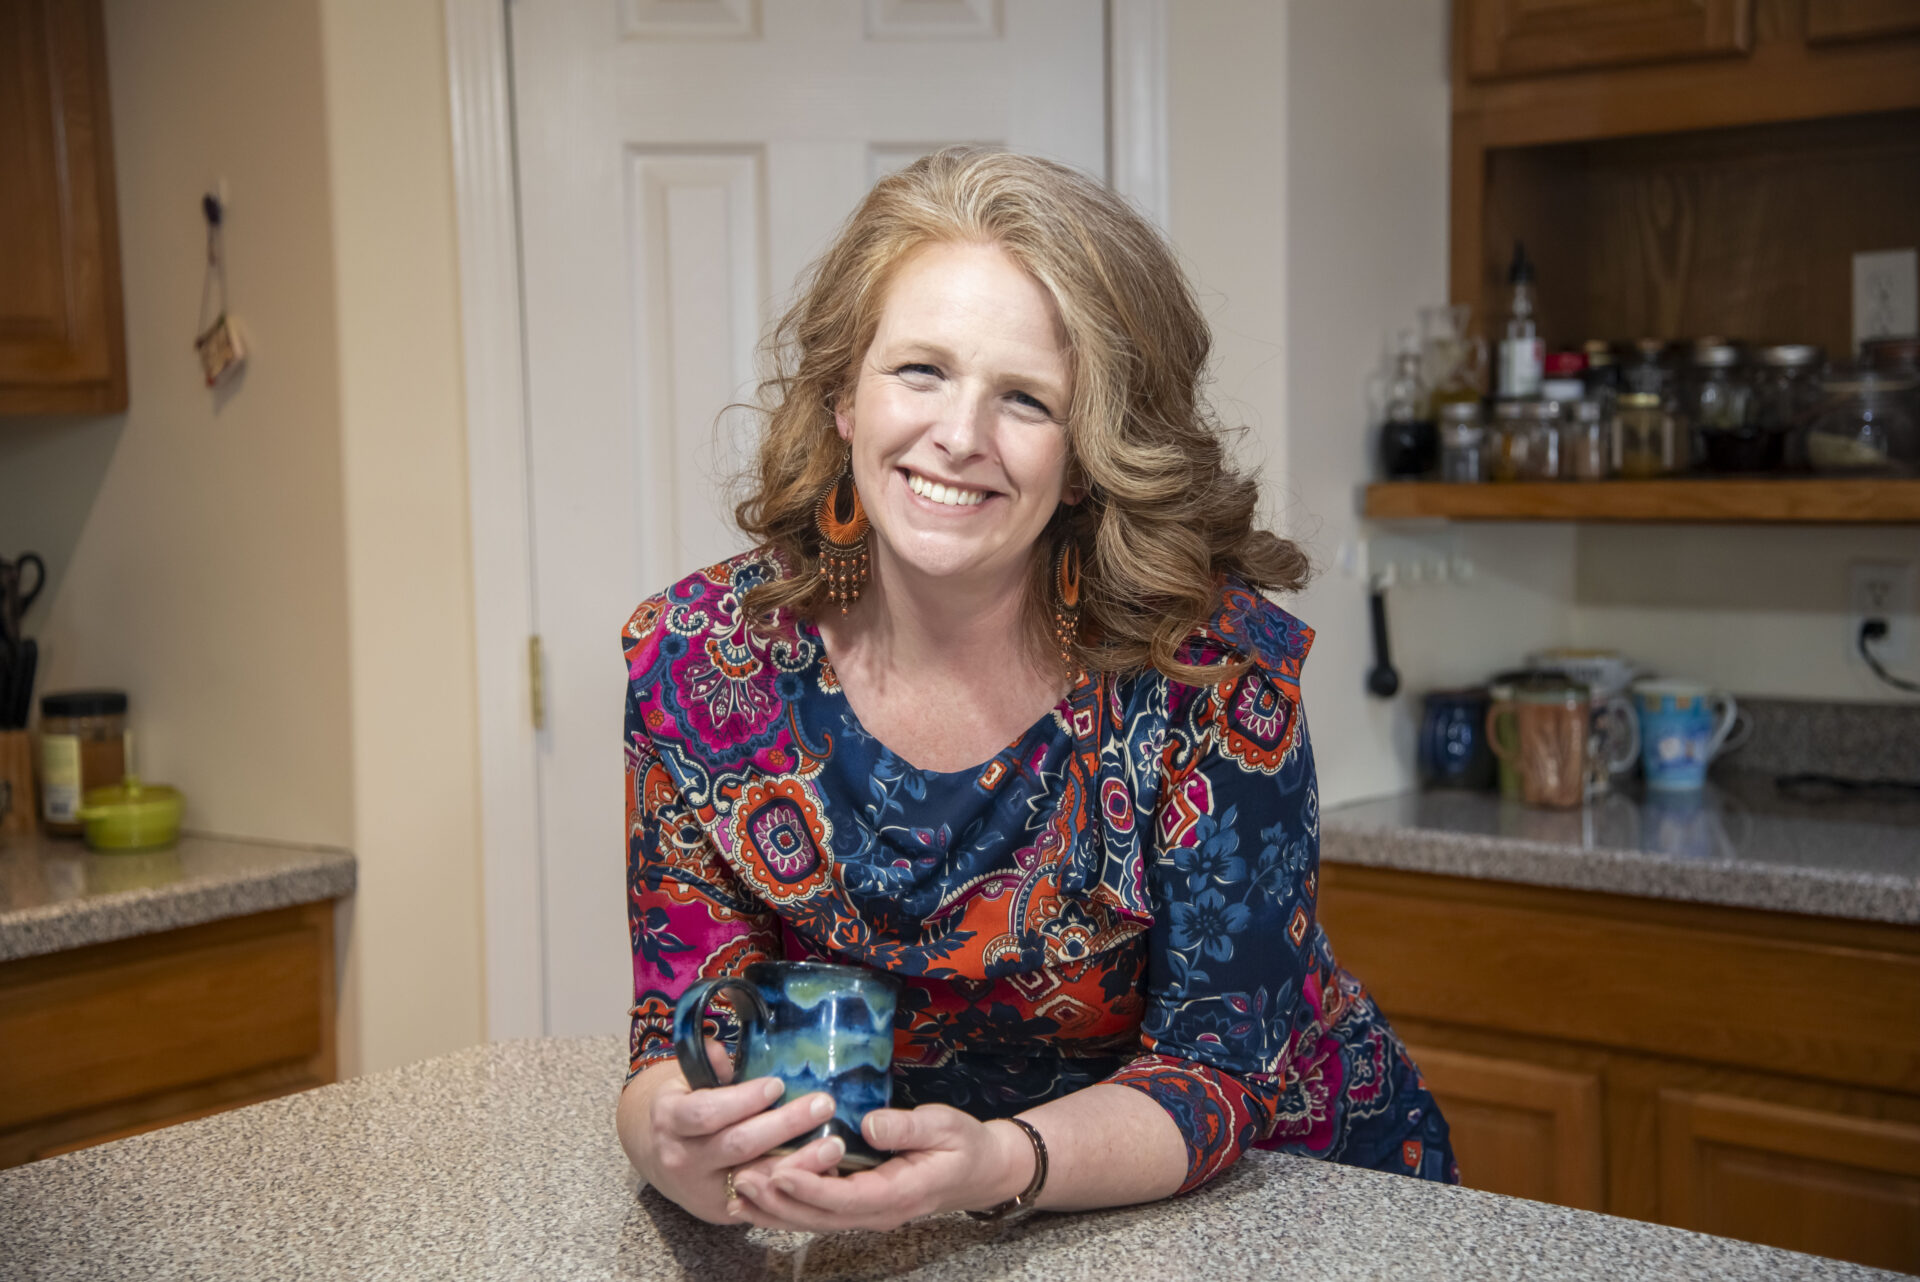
(1166, 517)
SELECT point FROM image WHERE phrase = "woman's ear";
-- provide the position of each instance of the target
(843, 423)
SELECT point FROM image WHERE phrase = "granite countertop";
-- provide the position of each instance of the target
(1738, 843)
(501, 1161)
(56, 894)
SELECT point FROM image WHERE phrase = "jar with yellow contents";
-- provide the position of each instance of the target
(83, 745)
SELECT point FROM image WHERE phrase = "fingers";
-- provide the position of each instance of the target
(687, 1114)
(797, 1192)
(899, 1129)
(746, 1140)
(721, 1061)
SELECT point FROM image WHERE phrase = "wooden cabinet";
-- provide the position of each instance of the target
(1746, 1073)
(62, 339)
(1522, 1129)
(1813, 1181)
(1683, 167)
(118, 1038)
(1523, 37)
(1831, 20)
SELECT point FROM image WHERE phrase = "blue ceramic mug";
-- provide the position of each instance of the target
(1453, 749)
(1683, 726)
(816, 1027)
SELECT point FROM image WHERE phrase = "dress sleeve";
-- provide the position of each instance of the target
(1232, 983)
(688, 916)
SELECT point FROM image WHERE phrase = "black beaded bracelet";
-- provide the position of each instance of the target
(1032, 1191)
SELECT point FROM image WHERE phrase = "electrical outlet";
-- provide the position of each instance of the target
(1881, 590)
(1885, 285)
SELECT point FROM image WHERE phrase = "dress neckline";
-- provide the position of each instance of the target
(1056, 716)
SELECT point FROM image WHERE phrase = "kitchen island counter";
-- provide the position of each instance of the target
(501, 1161)
(57, 895)
(1738, 844)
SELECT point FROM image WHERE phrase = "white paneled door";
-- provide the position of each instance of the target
(680, 162)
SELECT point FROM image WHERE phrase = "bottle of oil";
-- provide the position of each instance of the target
(1521, 351)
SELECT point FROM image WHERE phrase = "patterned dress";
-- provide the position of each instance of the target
(1123, 894)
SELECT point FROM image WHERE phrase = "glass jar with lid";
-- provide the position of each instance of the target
(83, 737)
(1507, 441)
(1714, 404)
(1540, 420)
(1863, 425)
(1643, 437)
(1786, 392)
(1899, 360)
(1463, 443)
(1583, 441)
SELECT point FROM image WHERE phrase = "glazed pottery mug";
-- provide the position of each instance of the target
(1552, 739)
(1453, 747)
(1683, 726)
(816, 1027)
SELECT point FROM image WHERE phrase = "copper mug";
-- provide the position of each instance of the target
(1551, 743)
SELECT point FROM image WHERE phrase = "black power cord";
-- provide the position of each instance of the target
(1875, 630)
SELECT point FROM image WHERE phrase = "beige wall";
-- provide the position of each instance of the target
(417, 956)
(278, 573)
(195, 540)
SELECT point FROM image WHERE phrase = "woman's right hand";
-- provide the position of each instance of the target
(685, 1141)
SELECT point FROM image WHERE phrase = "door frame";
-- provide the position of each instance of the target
(479, 79)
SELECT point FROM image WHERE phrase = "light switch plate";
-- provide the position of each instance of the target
(1885, 284)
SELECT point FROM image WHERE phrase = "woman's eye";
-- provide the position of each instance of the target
(917, 367)
(1031, 402)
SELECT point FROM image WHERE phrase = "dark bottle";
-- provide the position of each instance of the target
(1409, 441)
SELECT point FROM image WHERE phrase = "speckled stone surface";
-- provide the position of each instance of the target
(1737, 844)
(56, 894)
(1858, 740)
(501, 1162)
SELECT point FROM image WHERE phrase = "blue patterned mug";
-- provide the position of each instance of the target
(816, 1027)
(1683, 726)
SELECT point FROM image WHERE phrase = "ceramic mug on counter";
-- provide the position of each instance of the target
(816, 1027)
(1453, 751)
(1549, 740)
(1684, 725)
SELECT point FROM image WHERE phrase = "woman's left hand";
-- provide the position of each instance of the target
(945, 1161)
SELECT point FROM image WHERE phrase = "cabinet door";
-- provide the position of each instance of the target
(1518, 1128)
(1832, 20)
(1824, 1183)
(62, 348)
(1528, 37)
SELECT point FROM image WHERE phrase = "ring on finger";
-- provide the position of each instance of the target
(732, 1194)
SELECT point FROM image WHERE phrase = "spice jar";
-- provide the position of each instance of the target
(1541, 422)
(1583, 441)
(1786, 392)
(1507, 441)
(1715, 405)
(1643, 437)
(1863, 425)
(83, 744)
(1463, 449)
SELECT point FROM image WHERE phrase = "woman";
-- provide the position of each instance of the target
(996, 707)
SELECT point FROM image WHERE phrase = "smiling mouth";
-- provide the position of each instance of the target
(951, 495)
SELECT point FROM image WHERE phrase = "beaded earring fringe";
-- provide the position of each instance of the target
(842, 522)
(1066, 598)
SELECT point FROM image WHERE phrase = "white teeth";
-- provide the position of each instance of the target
(950, 495)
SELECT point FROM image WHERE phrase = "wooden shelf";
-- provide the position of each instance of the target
(1811, 502)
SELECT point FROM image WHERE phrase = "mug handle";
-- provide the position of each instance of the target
(690, 1048)
(1493, 734)
(1622, 707)
(1728, 721)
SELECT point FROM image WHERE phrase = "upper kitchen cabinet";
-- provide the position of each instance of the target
(62, 339)
(1861, 19)
(1527, 37)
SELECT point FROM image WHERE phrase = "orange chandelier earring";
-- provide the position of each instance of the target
(1066, 598)
(842, 522)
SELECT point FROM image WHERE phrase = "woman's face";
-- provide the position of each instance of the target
(958, 417)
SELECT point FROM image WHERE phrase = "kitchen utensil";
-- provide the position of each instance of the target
(1453, 751)
(1683, 726)
(1382, 680)
(1552, 730)
(14, 597)
(130, 815)
(814, 1026)
(17, 669)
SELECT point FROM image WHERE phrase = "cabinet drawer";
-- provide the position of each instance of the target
(1528, 37)
(138, 1017)
(1828, 1000)
(1798, 1178)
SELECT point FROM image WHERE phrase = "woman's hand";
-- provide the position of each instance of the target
(688, 1140)
(946, 1161)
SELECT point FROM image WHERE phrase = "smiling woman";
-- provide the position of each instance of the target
(996, 708)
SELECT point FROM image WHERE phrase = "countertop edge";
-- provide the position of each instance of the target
(103, 919)
(1813, 892)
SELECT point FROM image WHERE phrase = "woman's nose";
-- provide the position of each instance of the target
(963, 426)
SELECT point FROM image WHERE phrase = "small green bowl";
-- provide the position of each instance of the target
(130, 815)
